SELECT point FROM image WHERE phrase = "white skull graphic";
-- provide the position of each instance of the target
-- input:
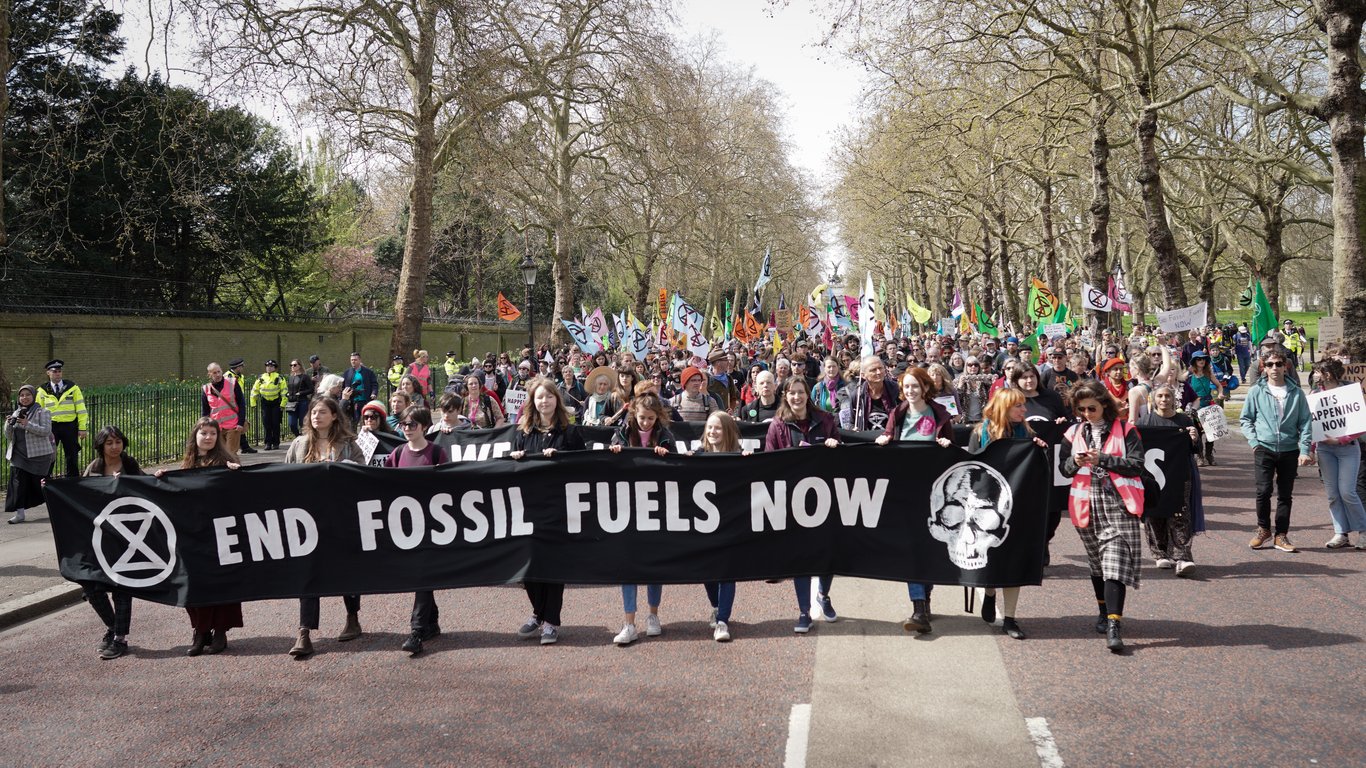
(969, 511)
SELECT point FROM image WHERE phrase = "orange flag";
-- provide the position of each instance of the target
(505, 309)
(663, 306)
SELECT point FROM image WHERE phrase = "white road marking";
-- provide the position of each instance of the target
(798, 729)
(1043, 742)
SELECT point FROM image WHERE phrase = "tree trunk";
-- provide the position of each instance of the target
(563, 267)
(988, 263)
(1010, 295)
(417, 247)
(1273, 236)
(1050, 248)
(5, 64)
(1344, 108)
(1160, 237)
(1098, 253)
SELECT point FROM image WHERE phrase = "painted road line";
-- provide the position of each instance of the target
(1043, 742)
(798, 728)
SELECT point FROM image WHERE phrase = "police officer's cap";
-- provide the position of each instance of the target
(271, 364)
(235, 362)
(313, 358)
(55, 365)
(398, 358)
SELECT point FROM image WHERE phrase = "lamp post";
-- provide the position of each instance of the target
(529, 277)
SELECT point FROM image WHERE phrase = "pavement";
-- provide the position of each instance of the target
(1255, 660)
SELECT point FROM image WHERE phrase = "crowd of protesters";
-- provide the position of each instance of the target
(1096, 387)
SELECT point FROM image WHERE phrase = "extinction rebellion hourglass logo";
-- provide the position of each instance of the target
(141, 540)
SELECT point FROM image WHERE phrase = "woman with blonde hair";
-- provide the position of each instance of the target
(327, 437)
(421, 370)
(1003, 419)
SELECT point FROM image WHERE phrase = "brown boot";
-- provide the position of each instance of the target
(1259, 540)
(303, 647)
(220, 641)
(200, 640)
(352, 629)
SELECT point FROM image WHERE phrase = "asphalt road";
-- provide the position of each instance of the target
(1256, 660)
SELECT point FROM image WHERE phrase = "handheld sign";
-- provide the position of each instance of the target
(1214, 422)
(1330, 330)
(950, 404)
(367, 442)
(1337, 412)
(513, 400)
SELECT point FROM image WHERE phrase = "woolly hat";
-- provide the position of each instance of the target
(374, 405)
(690, 372)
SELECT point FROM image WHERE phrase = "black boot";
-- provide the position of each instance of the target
(1012, 628)
(920, 617)
(1102, 622)
(1113, 641)
(201, 639)
(988, 608)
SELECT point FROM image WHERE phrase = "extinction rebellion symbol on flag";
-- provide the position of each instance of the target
(138, 530)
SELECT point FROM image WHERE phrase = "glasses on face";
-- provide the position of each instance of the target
(1274, 364)
(293, 365)
(370, 417)
(407, 424)
(1087, 408)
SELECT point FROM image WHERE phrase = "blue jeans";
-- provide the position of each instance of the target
(919, 591)
(803, 586)
(721, 595)
(1339, 464)
(653, 594)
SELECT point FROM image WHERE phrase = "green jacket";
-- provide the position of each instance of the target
(1261, 426)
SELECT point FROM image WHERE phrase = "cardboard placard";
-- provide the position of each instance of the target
(1337, 412)
(1330, 330)
(1213, 421)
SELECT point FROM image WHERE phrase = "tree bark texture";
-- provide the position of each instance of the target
(1160, 237)
(1098, 254)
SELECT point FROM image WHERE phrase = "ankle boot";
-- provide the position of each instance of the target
(1113, 641)
(220, 641)
(197, 644)
(1102, 622)
(352, 629)
(303, 647)
(920, 618)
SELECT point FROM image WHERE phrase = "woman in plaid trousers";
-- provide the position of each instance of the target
(1103, 455)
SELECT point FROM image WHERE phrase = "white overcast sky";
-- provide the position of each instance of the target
(820, 89)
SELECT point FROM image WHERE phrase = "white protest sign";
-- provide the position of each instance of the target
(1213, 421)
(1337, 412)
(367, 442)
(1055, 330)
(1185, 319)
(950, 404)
(513, 400)
(1330, 330)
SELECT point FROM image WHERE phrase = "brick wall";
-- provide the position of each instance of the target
(125, 350)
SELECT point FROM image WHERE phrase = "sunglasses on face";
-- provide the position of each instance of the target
(1087, 408)
(407, 424)
(370, 417)
(1274, 364)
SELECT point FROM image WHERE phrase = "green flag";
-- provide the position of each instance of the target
(1245, 298)
(984, 324)
(1263, 316)
(730, 321)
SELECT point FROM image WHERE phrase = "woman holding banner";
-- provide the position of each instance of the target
(327, 437)
(1103, 454)
(1169, 537)
(114, 607)
(544, 429)
(1005, 418)
(799, 423)
(918, 419)
(721, 434)
(646, 427)
(206, 448)
(1339, 463)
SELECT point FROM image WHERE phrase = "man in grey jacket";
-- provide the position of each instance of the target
(1276, 423)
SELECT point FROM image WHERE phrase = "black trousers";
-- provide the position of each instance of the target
(426, 616)
(546, 600)
(270, 421)
(68, 437)
(115, 609)
(311, 607)
(1280, 467)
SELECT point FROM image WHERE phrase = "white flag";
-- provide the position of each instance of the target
(867, 320)
(765, 271)
(1094, 298)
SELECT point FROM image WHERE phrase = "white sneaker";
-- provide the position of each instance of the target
(722, 633)
(627, 635)
(712, 622)
(1184, 568)
(652, 626)
(1361, 540)
(1338, 541)
(1166, 563)
(18, 516)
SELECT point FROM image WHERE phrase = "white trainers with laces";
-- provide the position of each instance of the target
(1184, 567)
(1166, 563)
(652, 626)
(722, 633)
(627, 635)
(18, 516)
(1338, 541)
(712, 622)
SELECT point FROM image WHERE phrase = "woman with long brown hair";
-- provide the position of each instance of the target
(544, 428)
(206, 448)
(327, 437)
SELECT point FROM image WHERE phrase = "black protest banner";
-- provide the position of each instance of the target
(902, 512)
(1166, 457)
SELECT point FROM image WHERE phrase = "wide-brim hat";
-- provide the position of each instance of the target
(590, 379)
